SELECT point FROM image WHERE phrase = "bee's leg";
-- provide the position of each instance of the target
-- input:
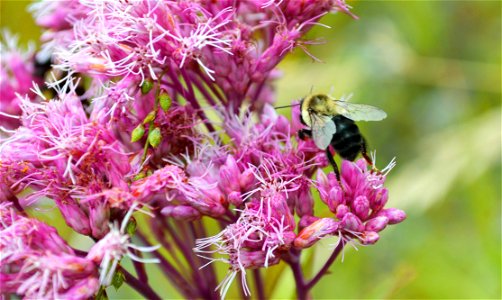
(334, 165)
(364, 153)
(303, 133)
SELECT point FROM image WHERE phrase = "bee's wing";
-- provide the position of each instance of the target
(323, 129)
(359, 112)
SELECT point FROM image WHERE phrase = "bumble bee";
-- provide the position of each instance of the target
(331, 122)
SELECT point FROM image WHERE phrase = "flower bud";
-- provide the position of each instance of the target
(352, 223)
(246, 179)
(369, 238)
(377, 224)
(147, 86)
(155, 137)
(74, 216)
(164, 101)
(150, 117)
(304, 203)
(361, 207)
(235, 198)
(99, 215)
(393, 214)
(341, 211)
(315, 231)
(380, 199)
(181, 212)
(137, 133)
(229, 176)
(335, 198)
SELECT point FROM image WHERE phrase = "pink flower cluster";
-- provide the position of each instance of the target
(357, 204)
(18, 71)
(164, 107)
(37, 263)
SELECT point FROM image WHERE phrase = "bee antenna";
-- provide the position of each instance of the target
(311, 89)
(276, 107)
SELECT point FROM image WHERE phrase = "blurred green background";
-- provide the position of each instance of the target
(435, 68)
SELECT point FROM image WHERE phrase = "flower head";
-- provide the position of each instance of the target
(358, 205)
(37, 263)
(17, 74)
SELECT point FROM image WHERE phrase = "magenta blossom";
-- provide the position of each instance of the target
(37, 263)
(358, 205)
(18, 72)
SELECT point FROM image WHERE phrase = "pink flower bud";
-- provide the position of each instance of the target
(83, 289)
(377, 224)
(74, 216)
(322, 180)
(246, 179)
(393, 214)
(341, 211)
(335, 198)
(229, 176)
(99, 215)
(380, 199)
(235, 198)
(307, 221)
(369, 238)
(361, 207)
(315, 231)
(255, 259)
(352, 223)
(181, 212)
(304, 203)
(282, 125)
(350, 174)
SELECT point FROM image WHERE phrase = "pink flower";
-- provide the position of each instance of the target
(37, 263)
(358, 205)
(17, 75)
(264, 230)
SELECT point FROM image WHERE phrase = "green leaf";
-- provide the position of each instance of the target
(164, 101)
(155, 137)
(137, 133)
(118, 279)
(146, 87)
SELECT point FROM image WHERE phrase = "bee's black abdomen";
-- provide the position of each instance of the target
(347, 141)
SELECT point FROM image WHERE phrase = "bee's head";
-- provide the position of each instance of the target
(318, 102)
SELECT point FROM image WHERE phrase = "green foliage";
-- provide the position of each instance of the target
(118, 279)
